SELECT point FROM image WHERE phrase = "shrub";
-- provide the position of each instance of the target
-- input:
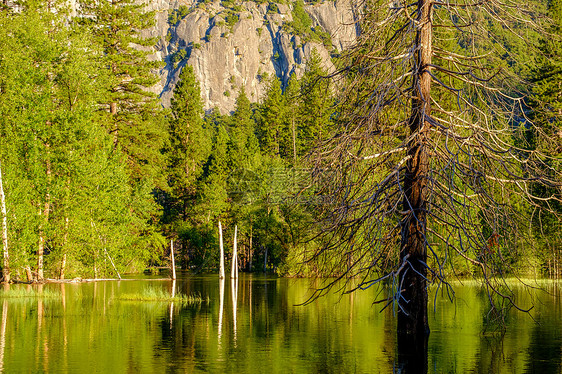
(178, 14)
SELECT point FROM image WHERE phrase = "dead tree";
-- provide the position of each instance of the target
(428, 165)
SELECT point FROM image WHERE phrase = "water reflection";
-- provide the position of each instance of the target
(266, 331)
(172, 294)
(3, 334)
(221, 307)
(412, 354)
(234, 290)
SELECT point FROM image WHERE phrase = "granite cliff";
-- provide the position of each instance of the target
(232, 45)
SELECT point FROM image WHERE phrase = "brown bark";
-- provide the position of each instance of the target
(412, 317)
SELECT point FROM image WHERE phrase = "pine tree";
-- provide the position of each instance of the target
(290, 147)
(214, 188)
(189, 148)
(131, 113)
(547, 91)
(244, 145)
(134, 118)
(272, 112)
(317, 103)
(547, 135)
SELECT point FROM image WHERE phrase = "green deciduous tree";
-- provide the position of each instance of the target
(73, 210)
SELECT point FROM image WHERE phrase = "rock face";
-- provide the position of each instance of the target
(236, 47)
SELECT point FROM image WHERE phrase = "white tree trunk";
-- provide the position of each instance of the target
(173, 259)
(234, 271)
(221, 269)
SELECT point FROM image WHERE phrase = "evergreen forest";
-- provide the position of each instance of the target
(98, 178)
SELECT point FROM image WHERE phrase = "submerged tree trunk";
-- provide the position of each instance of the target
(221, 260)
(6, 262)
(234, 270)
(173, 259)
(412, 317)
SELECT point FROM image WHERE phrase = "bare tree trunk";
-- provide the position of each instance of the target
(6, 262)
(221, 260)
(28, 274)
(173, 259)
(413, 325)
(234, 270)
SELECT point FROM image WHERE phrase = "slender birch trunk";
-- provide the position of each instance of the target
(6, 262)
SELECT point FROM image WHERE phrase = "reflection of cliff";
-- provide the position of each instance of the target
(231, 48)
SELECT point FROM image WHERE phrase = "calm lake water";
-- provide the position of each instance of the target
(85, 328)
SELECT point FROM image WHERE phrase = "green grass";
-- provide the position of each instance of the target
(157, 294)
(28, 293)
